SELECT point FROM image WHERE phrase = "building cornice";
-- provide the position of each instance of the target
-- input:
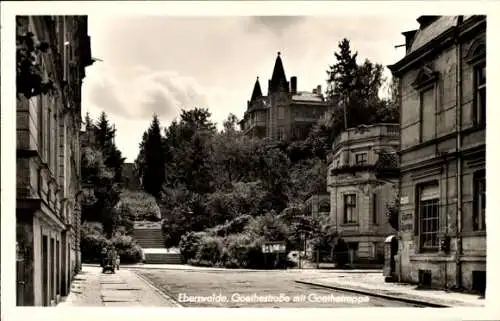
(438, 44)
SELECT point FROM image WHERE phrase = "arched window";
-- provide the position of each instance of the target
(476, 57)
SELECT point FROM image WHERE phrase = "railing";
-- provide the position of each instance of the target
(376, 130)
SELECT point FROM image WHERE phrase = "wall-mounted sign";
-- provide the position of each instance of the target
(404, 200)
(406, 222)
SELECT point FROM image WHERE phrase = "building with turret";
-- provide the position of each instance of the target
(284, 113)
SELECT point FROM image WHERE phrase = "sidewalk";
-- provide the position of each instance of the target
(91, 288)
(374, 284)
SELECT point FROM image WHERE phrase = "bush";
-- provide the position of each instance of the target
(269, 226)
(189, 245)
(92, 241)
(127, 248)
(244, 251)
(210, 250)
(234, 226)
(139, 206)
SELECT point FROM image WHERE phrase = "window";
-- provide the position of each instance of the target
(480, 93)
(428, 115)
(479, 213)
(361, 158)
(429, 217)
(374, 211)
(350, 208)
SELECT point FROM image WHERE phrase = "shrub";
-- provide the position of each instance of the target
(234, 226)
(189, 245)
(211, 250)
(139, 206)
(237, 248)
(269, 226)
(127, 248)
(92, 241)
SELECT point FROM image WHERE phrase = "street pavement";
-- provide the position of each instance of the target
(250, 288)
(188, 286)
(91, 288)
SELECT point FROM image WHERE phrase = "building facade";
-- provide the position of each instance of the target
(48, 161)
(284, 113)
(442, 223)
(362, 181)
(317, 204)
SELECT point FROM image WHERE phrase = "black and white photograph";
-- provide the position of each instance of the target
(245, 160)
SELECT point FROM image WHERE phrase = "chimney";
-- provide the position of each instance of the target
(318, 90)
(409, 35)
(293, 85)
(424, 21)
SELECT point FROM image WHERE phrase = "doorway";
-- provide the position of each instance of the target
(45, 270)
(52, 269)
(352, 251)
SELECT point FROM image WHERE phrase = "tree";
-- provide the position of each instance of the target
(342, 75)
(154, 161)
(357, 88)
(230, 124)
(104, 138)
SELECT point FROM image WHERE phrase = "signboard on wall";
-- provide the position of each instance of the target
(406, 222)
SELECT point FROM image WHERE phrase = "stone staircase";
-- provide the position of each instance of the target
(150, 238)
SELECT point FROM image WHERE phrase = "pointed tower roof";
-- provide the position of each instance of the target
(278, 78)
(257, 92)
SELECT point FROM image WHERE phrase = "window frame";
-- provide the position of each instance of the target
(424, 231)
(479, 200)
(476, 58)
(479, 90)
(361, 158)
(432, 89)
(350, 208)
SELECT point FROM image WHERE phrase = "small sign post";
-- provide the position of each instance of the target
(273, 247)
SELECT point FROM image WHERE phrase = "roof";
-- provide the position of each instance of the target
(307, 96)
(257, 92)
(431, 31)
(278, 78)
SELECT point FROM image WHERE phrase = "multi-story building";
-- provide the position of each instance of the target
(48, 161)
(284, 113)
(362, 181)
(442, 234)
(317, 204)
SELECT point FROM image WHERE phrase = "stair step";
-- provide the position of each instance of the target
(163, 258)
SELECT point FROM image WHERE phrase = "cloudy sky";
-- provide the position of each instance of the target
(155, 64)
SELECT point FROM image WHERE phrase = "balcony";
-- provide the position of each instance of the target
(366, 132)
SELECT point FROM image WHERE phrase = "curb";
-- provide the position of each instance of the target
(163, 294)
(380, 295)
